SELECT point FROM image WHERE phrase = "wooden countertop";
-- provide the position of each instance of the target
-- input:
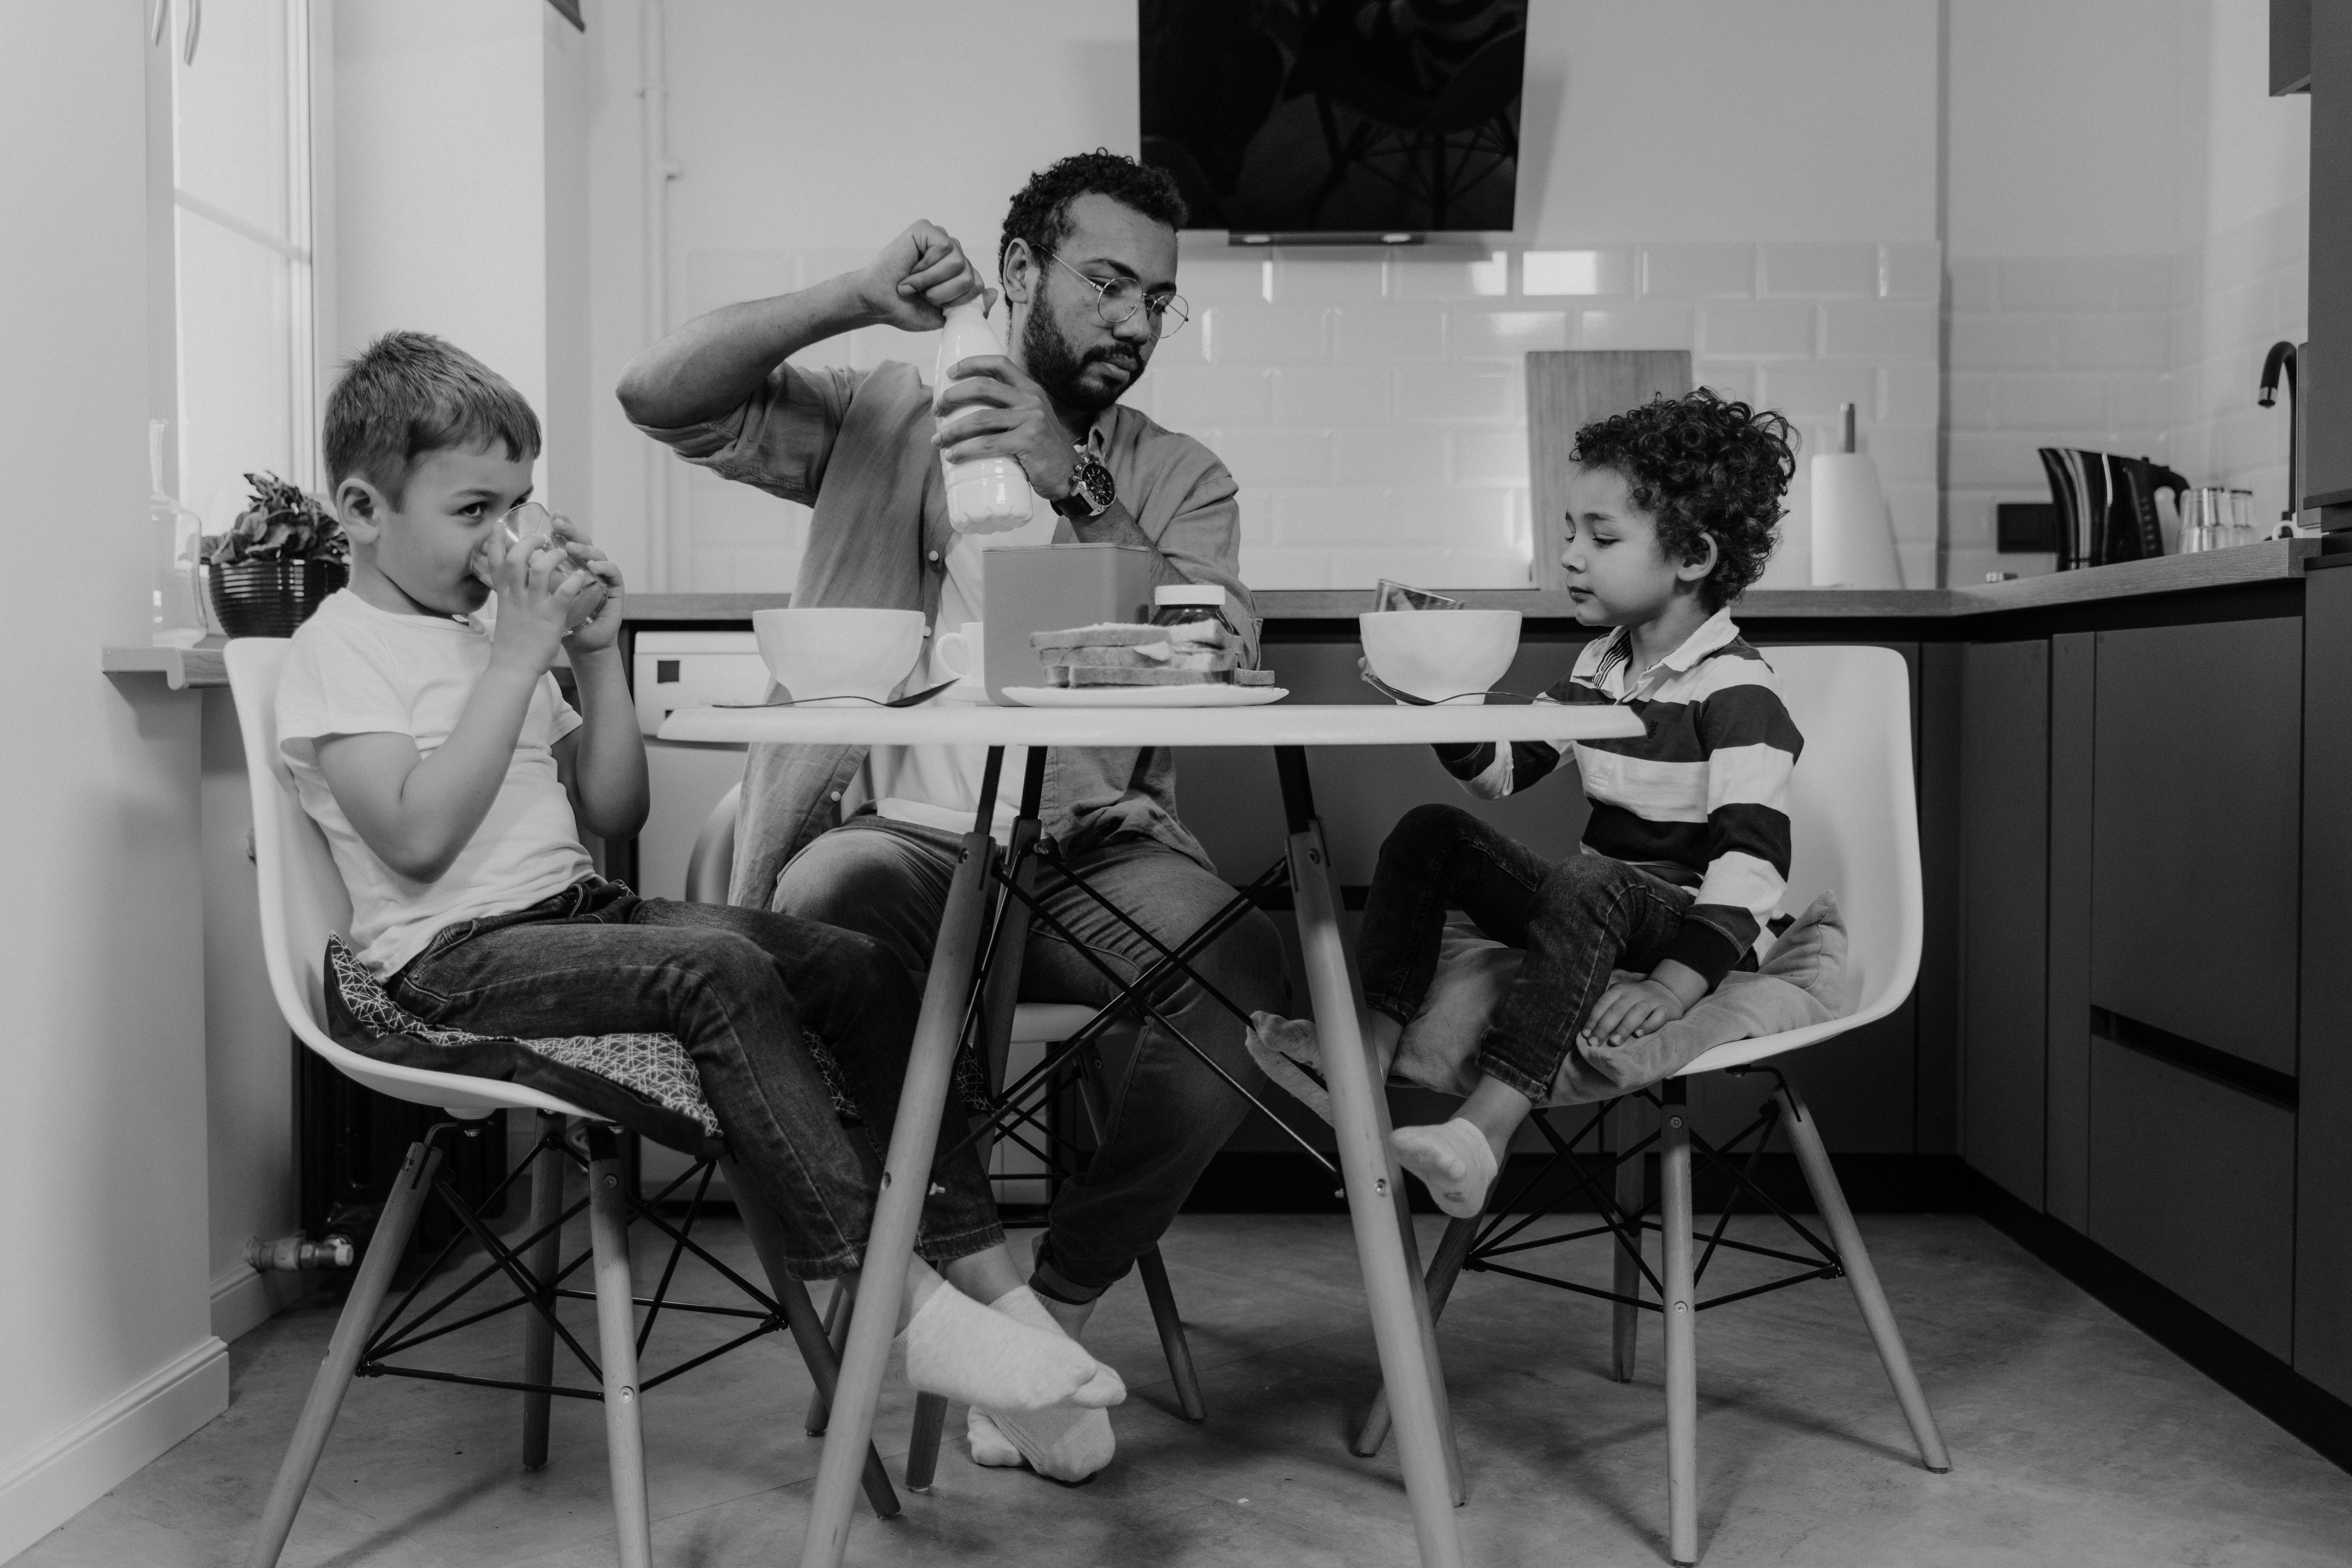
(2271, 560)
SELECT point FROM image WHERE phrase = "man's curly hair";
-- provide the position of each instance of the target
(1702, 466)
(1040, 213)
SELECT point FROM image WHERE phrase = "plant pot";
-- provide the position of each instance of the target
(270, 598)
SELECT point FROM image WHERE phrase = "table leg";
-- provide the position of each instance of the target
(906, 1179)
(1401, 1324)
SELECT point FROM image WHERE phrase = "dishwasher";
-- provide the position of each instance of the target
(670, 670)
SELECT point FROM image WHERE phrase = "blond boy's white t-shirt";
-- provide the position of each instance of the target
(354, 670)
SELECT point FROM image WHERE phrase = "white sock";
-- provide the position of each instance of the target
(957, 1347)
(989, 1447)
(1067, 1442)
(1287, 1051)
(1455, 1160)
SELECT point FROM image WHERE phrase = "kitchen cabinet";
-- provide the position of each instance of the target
(2323, 1275)
(2067, 1122)
(2196, 833)
(2192, 1183)
(2004, 764)
(2290, 46)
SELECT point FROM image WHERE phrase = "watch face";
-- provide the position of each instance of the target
(1094, 480)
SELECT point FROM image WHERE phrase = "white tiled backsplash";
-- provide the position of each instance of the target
(1372, 405)
(2144, 355)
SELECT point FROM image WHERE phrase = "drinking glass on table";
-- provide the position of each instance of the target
(2241, 518)
(2205, 520)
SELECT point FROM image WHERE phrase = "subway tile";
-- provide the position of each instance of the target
(2054, 283)
(1911, 393)
(1818, 389)
(1882, 333)
(716, 278)
(2051, 401)
(2003, 342)
(1917, 562)
(1914, 511)
(1503, 335)
(1451, 518)
(1331, 394)
(2140, 398)
(1548, 273)
(1335, 516)
(2281, 236)
(1263, 334)
(1210, 396)
(1970, 399)
(1904, 454)
(1987, 461)
(1420, 275)
(1831, 269)
(1392, 454)
(2142, 283)
(1265, 568)
(1257, 525)
(1911, 272)
(1648, 325)
(1262, 458)
(2189, 276)
(1463, 393)
(1223, 278)
(1974, 284)
(1970, 520)
(1385, 334)
(1488, 457)
(1784, 329)
(1731, 379)
(2247, 314)
(1326, 279)
(1445, 568)
(1698, 271)
(2115, 341)
(2230, 256)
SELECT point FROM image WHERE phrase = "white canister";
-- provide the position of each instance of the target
(1854, 540)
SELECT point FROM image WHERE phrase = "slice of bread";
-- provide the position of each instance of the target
(1149, 656)
(1114, 675)
(1128, 634)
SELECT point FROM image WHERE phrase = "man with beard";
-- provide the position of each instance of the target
(1088, 267)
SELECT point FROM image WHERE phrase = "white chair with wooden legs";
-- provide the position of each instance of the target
(1047, 1025)
(303, 902)
(1854, 822)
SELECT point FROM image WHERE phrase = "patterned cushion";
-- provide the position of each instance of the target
(644, 1083)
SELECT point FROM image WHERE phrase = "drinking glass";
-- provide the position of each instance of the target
(2205, 520)
(2241, 518)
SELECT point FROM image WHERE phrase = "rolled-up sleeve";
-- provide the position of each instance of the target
(780, 438)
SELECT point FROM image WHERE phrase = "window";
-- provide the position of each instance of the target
(242, 395)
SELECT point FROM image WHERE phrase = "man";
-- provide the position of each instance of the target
(1088, 267)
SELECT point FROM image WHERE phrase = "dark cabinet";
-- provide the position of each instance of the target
(2323, 1274)
(2290, 46)
(2196, 833)
(2004, 761)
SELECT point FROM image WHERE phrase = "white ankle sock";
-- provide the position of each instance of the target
(989, 1447)
(1287, 1052)
(1067, 1442)
(957, 1347)
(1455, 1160)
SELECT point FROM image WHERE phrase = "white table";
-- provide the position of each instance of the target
(1400, 1309)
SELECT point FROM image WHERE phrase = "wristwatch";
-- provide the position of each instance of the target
(1091, 490)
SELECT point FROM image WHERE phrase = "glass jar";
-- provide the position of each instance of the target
(1186, 604)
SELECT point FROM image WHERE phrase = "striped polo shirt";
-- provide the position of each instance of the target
(1699, 799)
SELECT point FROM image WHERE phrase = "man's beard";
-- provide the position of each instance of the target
(1057, 367)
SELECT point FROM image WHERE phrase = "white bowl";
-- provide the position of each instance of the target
(1437, 654)
(839, 652)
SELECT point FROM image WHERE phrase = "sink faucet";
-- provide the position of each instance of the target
(2282, 358)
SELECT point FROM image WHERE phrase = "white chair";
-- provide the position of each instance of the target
(1855, 830)
(1036, 1025)
(303, 902)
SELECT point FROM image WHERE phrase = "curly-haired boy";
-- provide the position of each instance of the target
(1672, 510)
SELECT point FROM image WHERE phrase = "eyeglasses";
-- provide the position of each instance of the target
(1117, 300)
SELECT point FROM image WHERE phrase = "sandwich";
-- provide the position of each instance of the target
(1127, 653)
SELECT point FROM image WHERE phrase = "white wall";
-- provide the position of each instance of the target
(103, 1300)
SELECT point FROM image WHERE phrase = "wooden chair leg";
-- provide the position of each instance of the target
(538, 1335)
(343, 1351)
(616, 1347)
(1829, 1198)
(1445, 1269)
(1625, 1279)
(1682, 1341)
(923, 1443)
(808, 1331)
(836, 1329)
(1172, 1344)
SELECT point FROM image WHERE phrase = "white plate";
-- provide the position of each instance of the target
(1218, 696)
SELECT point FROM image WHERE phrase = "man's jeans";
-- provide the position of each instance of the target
(736, 987)
(1577, 920)
(1169, 1113)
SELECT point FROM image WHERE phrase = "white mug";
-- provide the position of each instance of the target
(963, 653)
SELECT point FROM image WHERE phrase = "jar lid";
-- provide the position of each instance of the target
(1187, 593)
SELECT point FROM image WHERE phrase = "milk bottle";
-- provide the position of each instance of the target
(985, 495)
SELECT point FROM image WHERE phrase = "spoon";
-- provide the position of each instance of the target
(1385, 689)
(913, 699)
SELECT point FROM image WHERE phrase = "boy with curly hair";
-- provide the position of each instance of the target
(1672, 510)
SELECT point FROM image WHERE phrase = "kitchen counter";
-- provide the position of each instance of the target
(2274, 561)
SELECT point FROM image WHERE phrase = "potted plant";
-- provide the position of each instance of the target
(279, 560)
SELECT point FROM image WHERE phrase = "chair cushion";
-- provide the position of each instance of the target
(1803, 980)
(646, 1083)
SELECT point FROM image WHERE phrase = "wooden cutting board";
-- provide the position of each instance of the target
(1568, 388)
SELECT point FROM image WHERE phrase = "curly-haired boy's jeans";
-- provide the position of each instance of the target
(1577, 920)
(736, 987)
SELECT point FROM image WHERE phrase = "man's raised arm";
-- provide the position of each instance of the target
(708, 367)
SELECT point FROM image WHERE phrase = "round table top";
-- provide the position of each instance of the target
(1274, 724)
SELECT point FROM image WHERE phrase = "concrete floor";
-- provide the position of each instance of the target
(2075, 1441)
